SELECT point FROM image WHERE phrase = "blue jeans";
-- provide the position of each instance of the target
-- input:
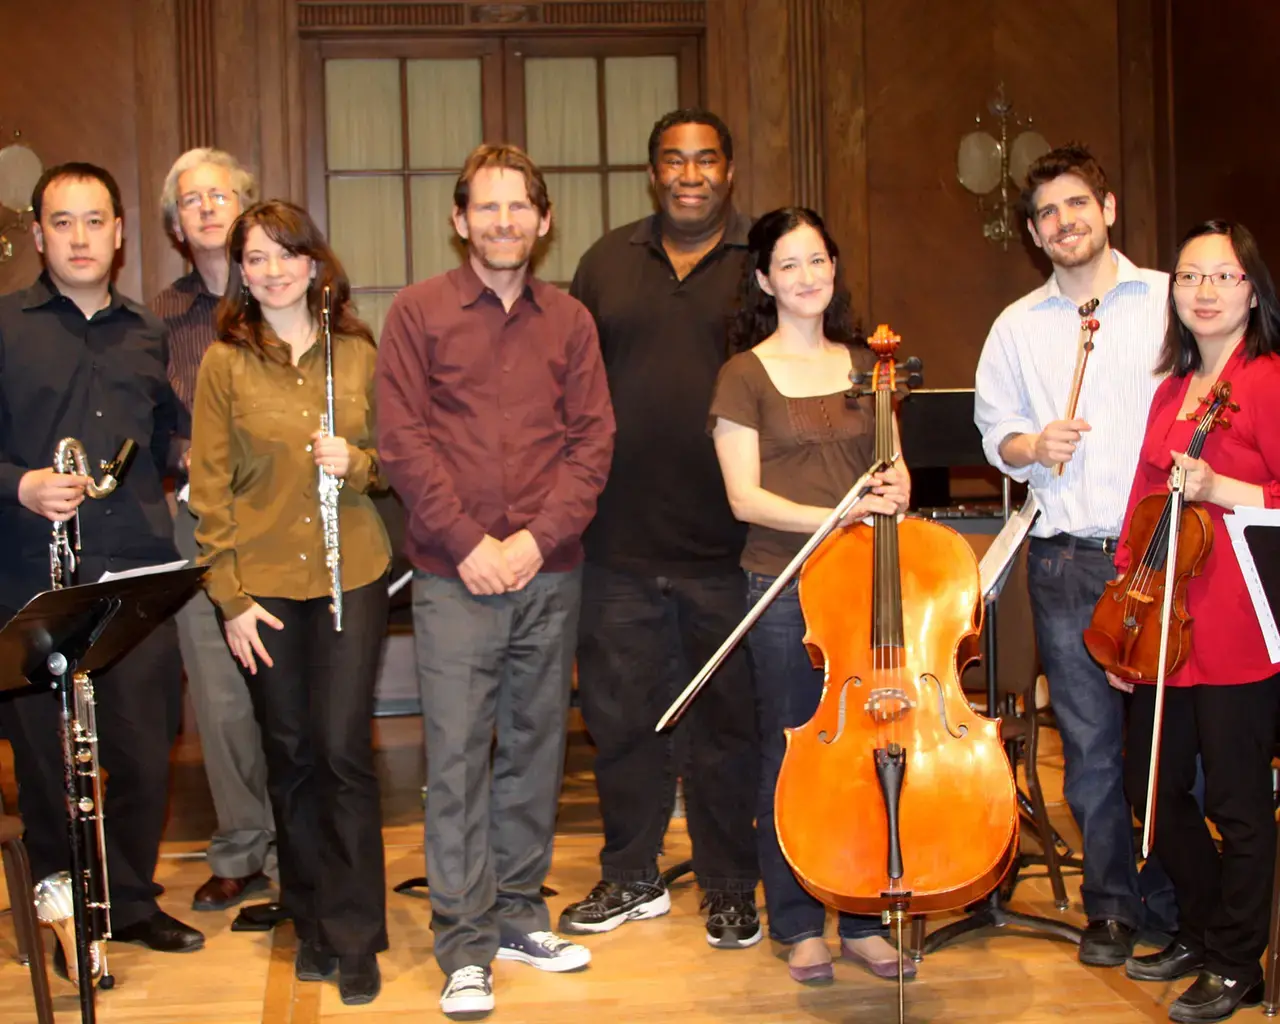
(1065, 581)
(788, 689)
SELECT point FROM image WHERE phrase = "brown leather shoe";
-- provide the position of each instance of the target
(220, 893)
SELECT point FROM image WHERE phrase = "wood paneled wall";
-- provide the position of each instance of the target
(130, 84)
(898, 83)
(1225, 92)
(855, 107)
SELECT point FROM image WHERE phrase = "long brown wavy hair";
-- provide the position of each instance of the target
(240, 319)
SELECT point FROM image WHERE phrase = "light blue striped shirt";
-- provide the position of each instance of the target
(1024, 381)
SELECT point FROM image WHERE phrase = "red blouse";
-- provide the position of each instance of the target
(1227, 645)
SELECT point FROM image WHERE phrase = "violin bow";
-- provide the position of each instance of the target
(1166, 614)
(1221, 394)
(1088, 327)
(855, 493)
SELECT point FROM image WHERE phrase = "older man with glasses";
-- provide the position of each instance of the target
(203, 195)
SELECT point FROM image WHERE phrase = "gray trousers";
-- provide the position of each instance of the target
(229, 737)
(494, 675)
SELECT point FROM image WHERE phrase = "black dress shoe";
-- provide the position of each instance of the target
(359, 980)
(312, 963)
(1107, 943)
(1214, 997)
(1171, 963)
(162, 933)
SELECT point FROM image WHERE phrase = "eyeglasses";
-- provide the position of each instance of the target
(1222, 279)
(193, 200)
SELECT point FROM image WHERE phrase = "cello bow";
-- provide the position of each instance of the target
(851, 498)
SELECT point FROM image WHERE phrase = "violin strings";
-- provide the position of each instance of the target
(1158, 545)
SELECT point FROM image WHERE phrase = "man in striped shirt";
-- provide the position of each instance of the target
(1023, 383)
(203, 194)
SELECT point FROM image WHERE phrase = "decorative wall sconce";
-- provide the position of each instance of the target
(20, 169)
(992, 168)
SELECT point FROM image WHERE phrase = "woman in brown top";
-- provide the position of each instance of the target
(791, 441)
(256, 457)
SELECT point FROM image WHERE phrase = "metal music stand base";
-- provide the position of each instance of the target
(992, 913)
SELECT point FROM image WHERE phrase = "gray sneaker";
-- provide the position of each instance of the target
(468, 994)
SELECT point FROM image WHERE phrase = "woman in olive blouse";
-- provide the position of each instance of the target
(255, 450)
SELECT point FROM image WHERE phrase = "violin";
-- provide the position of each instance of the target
(895, 796)
(1124, 634)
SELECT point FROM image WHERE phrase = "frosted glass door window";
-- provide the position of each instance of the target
(397, 130)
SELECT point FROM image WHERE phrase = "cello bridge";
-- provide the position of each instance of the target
(888, 705)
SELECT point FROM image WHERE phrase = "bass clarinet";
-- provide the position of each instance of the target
(330, 485)
(55, 896)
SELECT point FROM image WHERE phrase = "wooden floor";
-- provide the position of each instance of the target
(659, 970)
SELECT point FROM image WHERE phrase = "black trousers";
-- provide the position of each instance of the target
(640, 641)
(315, 709)
(138, 704)
(1224, 899)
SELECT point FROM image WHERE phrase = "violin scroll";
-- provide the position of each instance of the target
(1218, 402)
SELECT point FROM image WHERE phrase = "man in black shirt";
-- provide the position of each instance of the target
(77, 359)
(662, 587)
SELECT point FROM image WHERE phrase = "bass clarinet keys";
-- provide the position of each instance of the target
(55, 896)
(330, 485)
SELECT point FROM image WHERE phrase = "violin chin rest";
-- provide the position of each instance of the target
(1103, 649)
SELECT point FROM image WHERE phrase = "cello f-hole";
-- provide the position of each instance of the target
(963, 730)
(823, 735)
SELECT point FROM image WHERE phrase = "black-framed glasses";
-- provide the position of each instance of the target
(1219, 279)
(193, 200)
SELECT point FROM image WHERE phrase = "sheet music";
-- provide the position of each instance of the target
(1236, 522)
(995, 563)
(143, 570)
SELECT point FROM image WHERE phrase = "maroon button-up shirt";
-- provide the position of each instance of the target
(491, 422)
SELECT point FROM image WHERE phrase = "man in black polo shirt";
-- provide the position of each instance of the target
(662, 587)
(79, 360)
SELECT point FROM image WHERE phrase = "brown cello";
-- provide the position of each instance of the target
(895, 796)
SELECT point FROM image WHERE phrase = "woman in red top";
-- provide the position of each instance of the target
(1224, 324)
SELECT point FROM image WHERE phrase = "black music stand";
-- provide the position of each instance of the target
(991, 912)
(83, 629)
(939, 434)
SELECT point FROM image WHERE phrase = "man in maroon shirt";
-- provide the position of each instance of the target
(496, 429)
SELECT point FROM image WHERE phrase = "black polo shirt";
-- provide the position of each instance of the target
(664, 510)
(100, 380)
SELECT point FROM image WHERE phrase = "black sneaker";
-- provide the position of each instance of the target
(732, 920)
(359, 980)
(313, 963)
(613, 903)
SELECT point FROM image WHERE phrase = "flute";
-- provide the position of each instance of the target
(330, 485)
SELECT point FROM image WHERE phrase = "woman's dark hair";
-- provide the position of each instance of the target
(756, 316)
(1180, 354)
(239, 315)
